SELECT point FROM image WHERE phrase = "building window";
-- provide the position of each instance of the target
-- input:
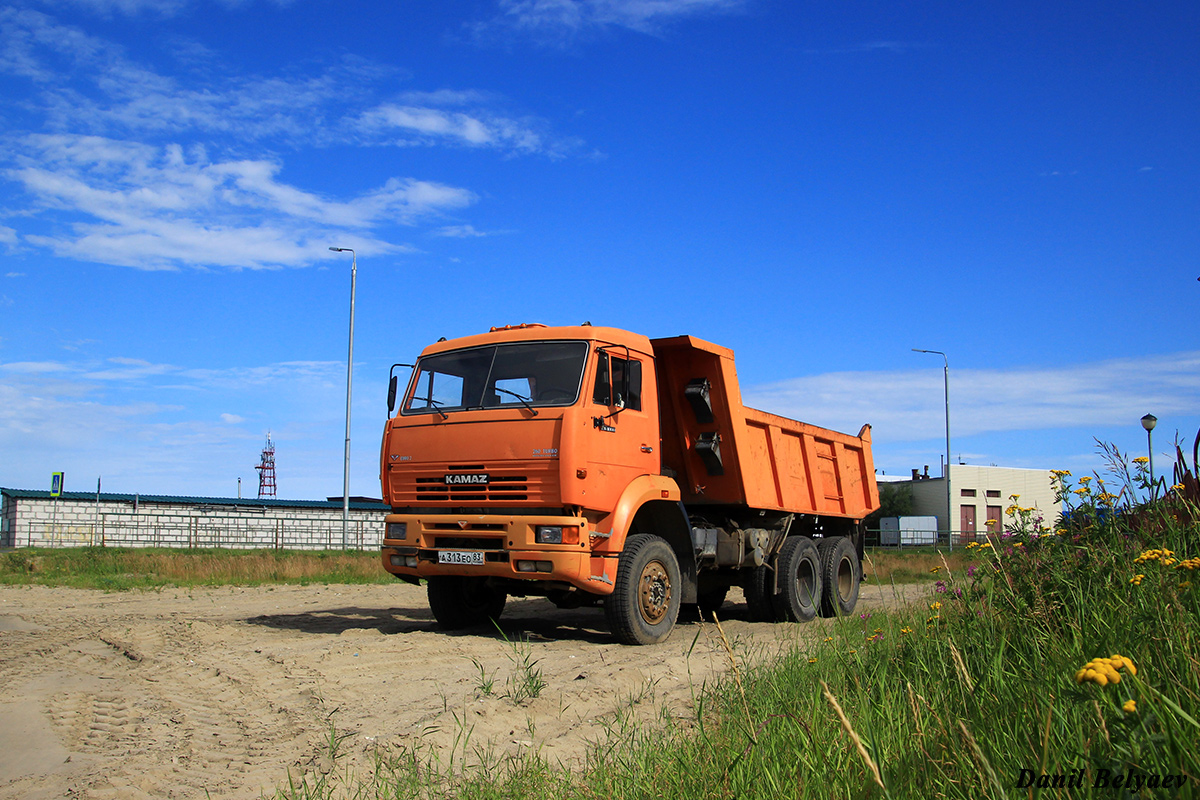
(968, 492)
(991, 493)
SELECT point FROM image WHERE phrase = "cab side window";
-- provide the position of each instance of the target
(618, 382)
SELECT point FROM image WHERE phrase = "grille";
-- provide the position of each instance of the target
(510, 483)
(498, 487)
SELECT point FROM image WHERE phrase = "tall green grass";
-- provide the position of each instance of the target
(114, 568)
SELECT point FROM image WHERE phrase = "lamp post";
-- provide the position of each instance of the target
(946, 476)
(1148, 422)
(349, 384)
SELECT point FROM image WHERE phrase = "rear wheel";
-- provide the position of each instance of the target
(760, 592)
(799, 580)
(645, 601)
(839, 576)
(460, 601)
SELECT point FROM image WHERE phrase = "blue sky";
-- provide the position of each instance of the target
(821, 187)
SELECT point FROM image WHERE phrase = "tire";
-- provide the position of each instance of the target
(460, 601)
(710, 602)
(645, 601)
(760, 592)
(800, 580)
(840, 576)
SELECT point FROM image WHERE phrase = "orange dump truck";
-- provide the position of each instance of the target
(592, 465)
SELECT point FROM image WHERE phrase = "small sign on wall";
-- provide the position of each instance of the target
(56, 484)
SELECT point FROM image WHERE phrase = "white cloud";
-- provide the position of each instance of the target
(908, 405)
(459, 232)
(162, 208)
(34, 367)
(419, 121)
(232, 419)
(559, 21)
(87, 84)
(8, 236)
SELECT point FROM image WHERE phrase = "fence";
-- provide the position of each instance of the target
(235, 531)
(952, 539)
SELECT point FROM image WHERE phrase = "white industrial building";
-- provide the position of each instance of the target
(979, 498)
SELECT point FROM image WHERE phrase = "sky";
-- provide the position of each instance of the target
(821, 187)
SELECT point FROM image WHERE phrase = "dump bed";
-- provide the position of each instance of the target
(724, 453)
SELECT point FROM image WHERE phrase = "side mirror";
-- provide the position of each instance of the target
(392, 387)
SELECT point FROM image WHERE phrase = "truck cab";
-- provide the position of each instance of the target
(534, 460)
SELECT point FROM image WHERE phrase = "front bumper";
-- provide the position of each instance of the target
(508, 547)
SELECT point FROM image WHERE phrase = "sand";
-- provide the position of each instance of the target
(225, 692)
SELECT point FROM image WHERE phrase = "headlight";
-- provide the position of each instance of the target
(397, 530)
(548, 534)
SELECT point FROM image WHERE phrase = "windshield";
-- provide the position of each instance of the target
(499, 376)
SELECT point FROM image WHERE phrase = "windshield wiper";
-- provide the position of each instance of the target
(523, 400)
(434, 405)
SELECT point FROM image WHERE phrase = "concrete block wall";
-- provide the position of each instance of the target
(29, 520)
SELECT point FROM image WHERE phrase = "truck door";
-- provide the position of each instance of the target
(623, 439)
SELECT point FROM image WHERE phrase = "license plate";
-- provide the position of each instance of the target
(458, 557)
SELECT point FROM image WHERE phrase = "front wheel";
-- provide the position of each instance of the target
(460, 601)
(645, 601)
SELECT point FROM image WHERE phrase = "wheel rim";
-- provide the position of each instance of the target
(845, 578)
(806, 582)
(654, 592)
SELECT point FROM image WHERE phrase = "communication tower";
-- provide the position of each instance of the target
(266, 470)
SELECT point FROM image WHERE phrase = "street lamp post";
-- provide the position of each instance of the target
(349, 384)
(946, 476)
(1148, 422)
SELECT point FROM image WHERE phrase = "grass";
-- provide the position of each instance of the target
(114, 568)
(911, 564)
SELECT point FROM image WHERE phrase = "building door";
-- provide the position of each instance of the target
(966, 524)
(995, 520)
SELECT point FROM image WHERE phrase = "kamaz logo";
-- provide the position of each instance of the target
(459, 478)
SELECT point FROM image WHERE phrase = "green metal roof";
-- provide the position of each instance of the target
(40, 494)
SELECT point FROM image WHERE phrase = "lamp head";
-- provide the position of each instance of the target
(1149, 421)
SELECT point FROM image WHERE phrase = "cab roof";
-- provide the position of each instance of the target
(536, 332)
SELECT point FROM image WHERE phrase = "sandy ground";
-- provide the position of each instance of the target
(178, 693)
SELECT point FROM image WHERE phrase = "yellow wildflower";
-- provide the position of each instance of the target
(1141, 460)
(973, 545)
(1177, 487)
(812, 661)
(1185, 585)
(935, 570)
(936, 606)
(829, 638)
(1130, 707)
(1081, 491)
(1189, 563)
(1085, 480)
(906, 630)
(1103, 671)
(1163, 555)
(1136, 580)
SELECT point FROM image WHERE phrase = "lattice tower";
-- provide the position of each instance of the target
(266, 470)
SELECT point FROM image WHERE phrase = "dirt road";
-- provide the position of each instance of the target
(180, 692)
